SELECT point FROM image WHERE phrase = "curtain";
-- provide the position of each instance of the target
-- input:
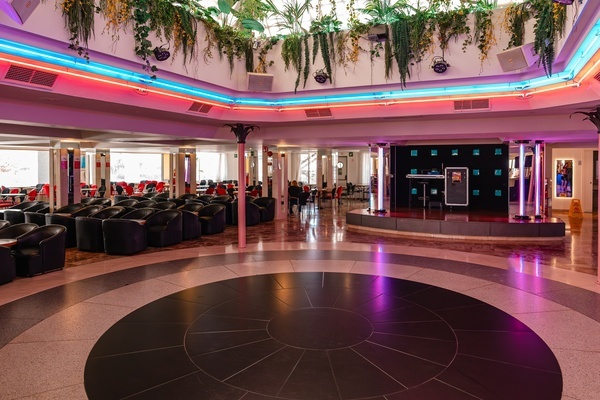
(295, 167)
(222, 171)
(364, 167)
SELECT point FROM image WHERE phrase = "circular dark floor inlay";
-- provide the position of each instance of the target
(320, 328)
(320, 336)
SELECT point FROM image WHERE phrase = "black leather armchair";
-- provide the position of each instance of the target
(20, 206)
(40, 250)
(14, 231)
(228, 209)
(70, 208)
(191, 224)
(68, 221)
(164, 228)
(212, 218)
(127, 203)
(139, 213)
(205, 197)
(144, 204)
(104, 202)
(267, 208)
(123, 236)
(17, 216)
(252, 213)
(37, 217)
(8, 268)
(165, 205)
(4, 224)
(89, 229)
(120, 197)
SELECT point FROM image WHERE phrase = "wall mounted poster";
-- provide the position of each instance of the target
(564, 178)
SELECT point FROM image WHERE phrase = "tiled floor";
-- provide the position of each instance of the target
(47, 336)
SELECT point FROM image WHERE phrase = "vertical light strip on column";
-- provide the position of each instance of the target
(538, 180)
(521, 214)
(380, 178)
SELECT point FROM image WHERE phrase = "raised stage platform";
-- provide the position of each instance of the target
(456, 224)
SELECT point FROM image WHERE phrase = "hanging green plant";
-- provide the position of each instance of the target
(484, 29)
(141, 31)
(117, 14)
(306, 59)
(401, 47)
(263, 63)
(451, 24)
(234, 44)
(422, 28)
(549, 24)
(79, 20)
(515, 17)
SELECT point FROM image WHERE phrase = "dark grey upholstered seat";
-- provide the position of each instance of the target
(68, 221)
(165, 205)
(4, 224)
(164, 195)
(86, 201)
(150, 195)
(252, 213)
(102, 202)
(302, 200)
(127, 203)
(212, 218)
(267, 208)
(193, 206)
(123, 236)
(40, 250)
(228, 208)
(139, 213)
(164, 228)
(89, 229)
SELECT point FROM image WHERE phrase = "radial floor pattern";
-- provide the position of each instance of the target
(321, 335)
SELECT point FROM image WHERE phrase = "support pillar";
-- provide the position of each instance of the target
(241, 131)
(280, 211)
(284, 183)
(266, 189)
(67, 173)
(101, 168)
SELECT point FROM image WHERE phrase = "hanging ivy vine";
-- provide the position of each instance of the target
(451, 24)
(549, 25)
(402, 47)
(515, 17)
(79, 21)
(484, 35)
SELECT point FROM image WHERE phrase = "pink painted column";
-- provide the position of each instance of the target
(241, 131)
(241, 195)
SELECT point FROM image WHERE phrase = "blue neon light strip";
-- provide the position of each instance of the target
(589, 46)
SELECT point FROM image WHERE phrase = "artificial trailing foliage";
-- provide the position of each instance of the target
(451, 24)
(402, 47)
(263, 63)
(79, 20)
(545, 35)
(484, 35)
(141, 31)
(234, 44)
(117, 14)
(422, 28)
(515, 17)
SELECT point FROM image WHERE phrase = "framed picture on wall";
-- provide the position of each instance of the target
(564, 178)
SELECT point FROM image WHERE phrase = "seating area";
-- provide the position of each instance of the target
(130, 226)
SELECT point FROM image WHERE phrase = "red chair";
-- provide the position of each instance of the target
(220, 191)
(93, 191)
(128, 190)
(141, 187)
(254, 193)
(338, 194)
(210, 190)
(160, 187)
(32, 194)
(306, 188)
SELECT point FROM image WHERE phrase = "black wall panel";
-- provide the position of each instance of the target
(488, 173)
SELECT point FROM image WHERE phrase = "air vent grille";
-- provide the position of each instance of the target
(318, 113)
(472, 105)
(200, 107)
(28, 75)
(597, 77)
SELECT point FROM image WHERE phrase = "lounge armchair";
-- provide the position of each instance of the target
(191, 224)
(139, 213)
(123, 236)
(40, 250)
(212, 218)
(89, 229)
(252, 213)
(267, 208)
(164, 228)
(68, 221)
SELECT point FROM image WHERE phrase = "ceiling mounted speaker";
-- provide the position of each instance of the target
(19, 10)
(260, 82)
(518, 58)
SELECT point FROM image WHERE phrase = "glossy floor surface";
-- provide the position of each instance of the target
(60, 322)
